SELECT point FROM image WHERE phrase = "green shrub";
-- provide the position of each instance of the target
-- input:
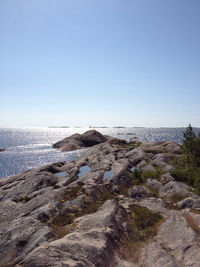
(189, 175)
(188, 167)
(191, 148)
(150, 174)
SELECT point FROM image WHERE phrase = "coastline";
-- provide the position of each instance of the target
(63, 216)
(30, 148)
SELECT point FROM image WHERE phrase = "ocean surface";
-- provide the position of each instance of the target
(27, 148)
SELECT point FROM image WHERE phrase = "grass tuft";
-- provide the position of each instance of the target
(143, 226)
(94, 205)
(176, 197)
(140, 177)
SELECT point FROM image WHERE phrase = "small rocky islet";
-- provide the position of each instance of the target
(117, 205)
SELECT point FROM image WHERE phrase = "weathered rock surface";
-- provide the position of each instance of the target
(192, 202)
(178, 237)
(154, 255)
(77, 141)
(84, 220)
(92, 242)
(174, 187)
(166, 178)
(139, 192)
(153, 183)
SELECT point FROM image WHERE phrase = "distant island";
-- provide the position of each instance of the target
(58, 127)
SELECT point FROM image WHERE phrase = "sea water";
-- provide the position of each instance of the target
(27, 148)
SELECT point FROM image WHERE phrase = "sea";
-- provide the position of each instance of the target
(28, 148)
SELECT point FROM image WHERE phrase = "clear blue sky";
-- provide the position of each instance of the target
(99, 62)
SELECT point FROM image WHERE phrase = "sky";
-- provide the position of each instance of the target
(99, 63)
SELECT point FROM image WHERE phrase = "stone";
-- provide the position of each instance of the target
(159, 160)
(174, 148)
(192, 202)
(149, 167)
(142, 164)
(136, 155)
(154, 255)
(174, 187)
(122, 175)
(152, 148)
(180, 239)
(153, 183)
(139, 192)
(77, 141)
(53, 168)
(119, 263)
(167, 168)
(166, 178)
(117, 141)
(30, 184)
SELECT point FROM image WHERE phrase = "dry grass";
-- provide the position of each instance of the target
(124, 190)
(94, 205)
(176, 197)
(25, 198)
(195, 211)
(131, 145)
(59, 231)
(143, 226)
(71, 193)
(63, 223)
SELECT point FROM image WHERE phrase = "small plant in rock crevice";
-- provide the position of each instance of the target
(143, 226)
(25, 198)
(176, 197)
(140, 177)
(63, 223)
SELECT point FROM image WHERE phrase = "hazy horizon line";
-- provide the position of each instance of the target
(91, 127)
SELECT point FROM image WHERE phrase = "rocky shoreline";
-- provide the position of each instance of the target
(78, 141)
(117, 205)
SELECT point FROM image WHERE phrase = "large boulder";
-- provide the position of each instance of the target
(174, 187)
(136, 155)
(161, 161)
(192, 202)
(153, 183)
(78, 141)
(174, 148)
(121, 175)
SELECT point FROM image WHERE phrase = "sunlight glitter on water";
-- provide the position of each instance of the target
(27, 148)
